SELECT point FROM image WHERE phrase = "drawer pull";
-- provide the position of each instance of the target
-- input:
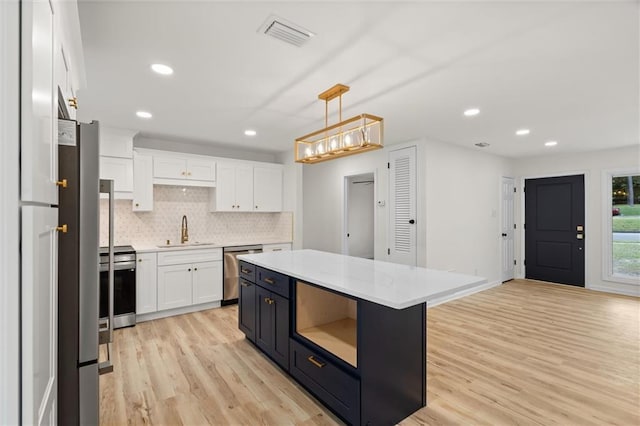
(315, 362)
(243, 284)
(269, 281)
(277, 249)
(268, 300)
(245, 271)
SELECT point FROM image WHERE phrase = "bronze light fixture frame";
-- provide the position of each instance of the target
(355, 135)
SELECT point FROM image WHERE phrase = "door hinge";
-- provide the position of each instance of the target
(514, 262)
(388, 251)
(524, 226)
(388, 165)
(514, 189)
(514, 226)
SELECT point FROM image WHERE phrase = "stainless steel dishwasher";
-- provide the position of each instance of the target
(231, 271)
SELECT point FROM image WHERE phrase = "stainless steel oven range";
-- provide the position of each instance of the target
(124, 285)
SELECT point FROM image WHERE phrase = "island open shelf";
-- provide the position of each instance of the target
(329, 320)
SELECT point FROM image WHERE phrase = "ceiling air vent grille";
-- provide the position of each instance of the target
(283, 30)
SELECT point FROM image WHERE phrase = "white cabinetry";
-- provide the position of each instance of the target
(116, 160)
(64, 82)
(182, 170)
(276, 247)
(267, 189)
(142, 182)
(174, 286)
(39, 150)
(189, 277)
(234, 188)
(146, 283)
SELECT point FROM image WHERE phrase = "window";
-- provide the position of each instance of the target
(622, 226)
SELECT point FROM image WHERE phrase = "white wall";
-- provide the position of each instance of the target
(292, 194)
(202, 148)
(462, 194)
(458, 219)
(591, 164)
(9, 214)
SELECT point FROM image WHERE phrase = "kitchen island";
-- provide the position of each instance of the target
(352, 331)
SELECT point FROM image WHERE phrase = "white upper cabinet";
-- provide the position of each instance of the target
(142, 182)
(267, 189)
(116, 142)
(234, 188)
(116, 159)
(177, 170)
(39, 164)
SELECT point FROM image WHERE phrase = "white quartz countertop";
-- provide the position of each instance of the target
(388, 284)
(200, 245)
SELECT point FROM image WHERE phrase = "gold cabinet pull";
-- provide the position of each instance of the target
(62, 228)
(269, 281)
(245, 271)
(139, 260)
(73, 102)
(62, 183)
(188, 173)
(315, 362)
(243, 284)
(184, 173)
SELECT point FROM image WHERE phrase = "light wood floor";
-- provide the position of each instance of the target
(521, 353)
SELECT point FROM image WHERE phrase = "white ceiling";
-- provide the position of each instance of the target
(566, 70)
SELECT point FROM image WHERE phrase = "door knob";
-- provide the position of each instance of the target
(504, 235)
(412, 221)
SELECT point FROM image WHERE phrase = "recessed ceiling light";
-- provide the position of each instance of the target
(482, 144)
(250, 132)
(162, 69)
(144, 114)
(551, 143)
(523, 132)
(471, 112)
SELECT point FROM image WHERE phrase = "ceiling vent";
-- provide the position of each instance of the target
(286, 31)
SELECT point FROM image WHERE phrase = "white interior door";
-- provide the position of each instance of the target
(360, 211)
(402, 206)
(39, 314)
(508, 256)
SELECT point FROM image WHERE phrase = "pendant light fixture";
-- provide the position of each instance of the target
(358, 134)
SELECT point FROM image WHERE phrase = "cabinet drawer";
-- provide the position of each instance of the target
(273, 281)
(248, 271)
(335, 388)
(179, 257)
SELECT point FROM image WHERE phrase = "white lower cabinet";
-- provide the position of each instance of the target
(146, 283)
(189, 277)
(207, 282)
(174, 286)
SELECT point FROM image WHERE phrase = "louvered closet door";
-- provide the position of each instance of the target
(402, 203)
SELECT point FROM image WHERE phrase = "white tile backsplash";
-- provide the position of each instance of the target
(171, 202)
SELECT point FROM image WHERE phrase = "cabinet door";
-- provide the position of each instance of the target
(39, 314)
(146, 283)
(169, 168)
(244, 188)
(39, 149)
(280, 318)
(116, 142)
(201, 170)
(225, 188)
(142, 183)
(247, 309)
(264, 322)
(174, 286)
(120, 170)
(267, 189)
(207, 282)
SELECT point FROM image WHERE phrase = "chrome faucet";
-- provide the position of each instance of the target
(184, 232)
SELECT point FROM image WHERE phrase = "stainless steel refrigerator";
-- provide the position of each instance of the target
(78, 274)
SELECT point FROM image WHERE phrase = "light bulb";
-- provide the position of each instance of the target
(308, 152)
(320, 149)
(334, 143)
(347, 140)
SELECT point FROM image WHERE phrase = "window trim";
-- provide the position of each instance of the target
(607, 230)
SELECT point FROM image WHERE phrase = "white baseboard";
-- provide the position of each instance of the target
(438, 301)
(177, 311)
(617, 288)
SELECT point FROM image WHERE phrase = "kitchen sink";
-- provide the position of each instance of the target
(194, 244)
